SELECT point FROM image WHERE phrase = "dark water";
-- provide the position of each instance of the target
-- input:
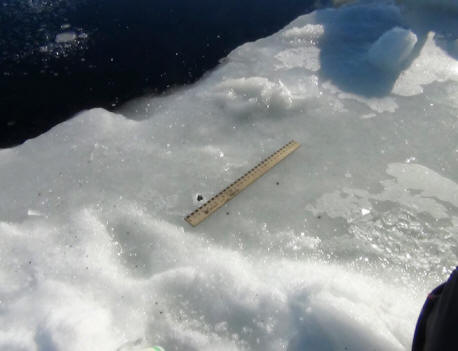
(115, 50)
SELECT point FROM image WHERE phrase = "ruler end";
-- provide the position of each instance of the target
(294, 144)
(190, 221)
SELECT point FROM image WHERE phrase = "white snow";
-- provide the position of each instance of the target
(310, 32)
(340, 254)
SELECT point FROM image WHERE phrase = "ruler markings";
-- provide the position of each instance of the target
(228, 193)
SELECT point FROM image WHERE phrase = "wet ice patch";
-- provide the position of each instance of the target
(385, 232)
(415, 186)
(430, 183)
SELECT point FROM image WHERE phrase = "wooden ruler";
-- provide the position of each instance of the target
(235, 188)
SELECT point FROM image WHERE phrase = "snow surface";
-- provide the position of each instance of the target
(339, 255)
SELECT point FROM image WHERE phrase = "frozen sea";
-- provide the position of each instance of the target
(334, 249)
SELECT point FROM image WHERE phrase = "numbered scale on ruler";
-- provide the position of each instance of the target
(235, 188)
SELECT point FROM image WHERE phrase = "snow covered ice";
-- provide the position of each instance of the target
(339, 255)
